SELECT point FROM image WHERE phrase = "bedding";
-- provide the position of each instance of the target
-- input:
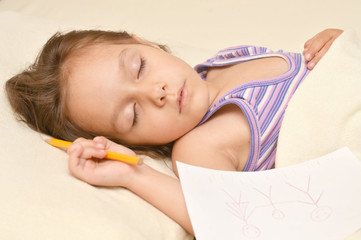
(39, 199)
(325, 112)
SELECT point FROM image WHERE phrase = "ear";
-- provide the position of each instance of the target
(145, 42)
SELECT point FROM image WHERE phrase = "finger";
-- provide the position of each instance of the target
(112, 146)
(315, 46)
(93, 152)
(80, 139)
(76, 164)
(74, 153)
(307, 45)
(88, 143)
(309, 48)
(316, 43)
(107, 143)
(86, 149)
(84, 170)
(311, 64)
(80, 167)
(103, 141)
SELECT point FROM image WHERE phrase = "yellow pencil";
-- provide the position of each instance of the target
(110, 155)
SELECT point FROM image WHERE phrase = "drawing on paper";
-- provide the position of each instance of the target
(240, 207)
(305, 199)
(320, 213)
(276, 212)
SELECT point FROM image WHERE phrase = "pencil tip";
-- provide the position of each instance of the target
(47, 141)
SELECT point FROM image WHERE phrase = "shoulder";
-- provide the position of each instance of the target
(216, 144)
(198, 149)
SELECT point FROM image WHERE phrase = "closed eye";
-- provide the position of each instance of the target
(135, 116)
(141, 66)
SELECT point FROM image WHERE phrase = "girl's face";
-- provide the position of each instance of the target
(136, 93)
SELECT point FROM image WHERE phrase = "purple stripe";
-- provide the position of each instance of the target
(276, 104)
(260, 118)
(268, 142)
(267, 164)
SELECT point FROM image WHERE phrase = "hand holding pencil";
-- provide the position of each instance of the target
(110, 155)
(88, 162)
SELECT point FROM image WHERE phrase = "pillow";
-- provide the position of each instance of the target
(39, 198)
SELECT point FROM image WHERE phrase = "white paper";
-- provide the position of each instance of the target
(318, 199)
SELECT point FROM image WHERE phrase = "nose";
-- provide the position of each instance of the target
(155, 93)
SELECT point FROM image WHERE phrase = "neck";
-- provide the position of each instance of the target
(214, 90)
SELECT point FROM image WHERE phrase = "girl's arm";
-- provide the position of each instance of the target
(162, 191)
(316, 47)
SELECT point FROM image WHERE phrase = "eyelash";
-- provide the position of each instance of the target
(142, 66)
(135, 118)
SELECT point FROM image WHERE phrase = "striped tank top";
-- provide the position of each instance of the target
(263, 102)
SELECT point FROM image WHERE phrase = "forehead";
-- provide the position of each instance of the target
(88, 81)
(97, 55)
(90, 63)
(93, 52)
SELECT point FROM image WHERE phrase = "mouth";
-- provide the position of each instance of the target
(182, 98)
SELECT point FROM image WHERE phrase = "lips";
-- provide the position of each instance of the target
(182, 98)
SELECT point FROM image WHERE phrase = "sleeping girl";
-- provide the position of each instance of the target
(114, 91)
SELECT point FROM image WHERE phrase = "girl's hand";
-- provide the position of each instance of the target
(86, 163)
(316, 47)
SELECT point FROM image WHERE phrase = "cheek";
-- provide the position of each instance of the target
(165, 129)
(164, 122)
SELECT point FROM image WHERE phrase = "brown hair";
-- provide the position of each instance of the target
(37, 94)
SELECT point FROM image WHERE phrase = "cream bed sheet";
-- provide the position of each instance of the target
(325, 113)
(39, 199)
